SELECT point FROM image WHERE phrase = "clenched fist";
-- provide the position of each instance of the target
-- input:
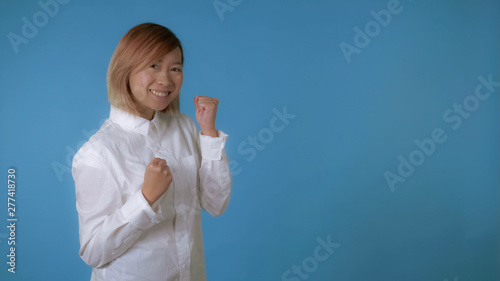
(157, 179)
(206, 111)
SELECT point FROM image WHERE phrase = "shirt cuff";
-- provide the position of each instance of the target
(212, 147)
(138, 212)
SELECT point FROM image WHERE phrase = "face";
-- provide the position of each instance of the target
(156, 85)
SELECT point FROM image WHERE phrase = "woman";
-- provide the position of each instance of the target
(142, 179)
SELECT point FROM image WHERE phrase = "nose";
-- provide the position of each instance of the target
(164, 78)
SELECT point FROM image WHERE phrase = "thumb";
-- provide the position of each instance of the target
(196, 105)
(155, 161)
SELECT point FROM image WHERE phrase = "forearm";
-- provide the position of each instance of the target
(105, 238)
(110, 220)
(215, 178)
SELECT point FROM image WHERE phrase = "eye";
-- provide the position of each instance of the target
(177, 69)
(154, 65)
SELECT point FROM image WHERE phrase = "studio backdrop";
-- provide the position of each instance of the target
(363, 135)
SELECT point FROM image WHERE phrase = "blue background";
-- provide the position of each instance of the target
(321, 177)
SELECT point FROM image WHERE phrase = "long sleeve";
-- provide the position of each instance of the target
(108, 223)
(215, 178)
(121, 236)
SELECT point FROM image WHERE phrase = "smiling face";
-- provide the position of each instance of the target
(156, 85)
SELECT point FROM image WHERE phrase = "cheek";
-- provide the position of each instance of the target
(178, 81)
(140, 80)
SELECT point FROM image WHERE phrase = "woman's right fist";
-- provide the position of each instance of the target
(157, 179)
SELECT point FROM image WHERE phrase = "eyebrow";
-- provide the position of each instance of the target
(177, 62)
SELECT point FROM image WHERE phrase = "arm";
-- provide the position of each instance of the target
(215, 178)
(108, 225)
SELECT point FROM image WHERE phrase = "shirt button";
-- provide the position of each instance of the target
(184, 266)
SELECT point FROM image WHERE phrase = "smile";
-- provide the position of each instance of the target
(160, 94)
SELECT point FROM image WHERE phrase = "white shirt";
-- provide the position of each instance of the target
(121, 236)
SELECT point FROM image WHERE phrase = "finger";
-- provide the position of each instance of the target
(196, 106)
(208, 99)
(155, 161)
(167, 170)
(208, 104)
(162, 163)
(209, 107)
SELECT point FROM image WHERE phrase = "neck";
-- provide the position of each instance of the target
(145, 113)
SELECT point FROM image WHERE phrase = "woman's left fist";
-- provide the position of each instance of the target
(206, 111)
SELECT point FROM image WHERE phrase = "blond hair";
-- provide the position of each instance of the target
(141, 45)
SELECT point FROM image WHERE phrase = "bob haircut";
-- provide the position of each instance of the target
(141, 45)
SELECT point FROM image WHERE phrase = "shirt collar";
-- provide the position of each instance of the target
(133, 122)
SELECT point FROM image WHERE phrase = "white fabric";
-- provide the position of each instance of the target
(121, 236)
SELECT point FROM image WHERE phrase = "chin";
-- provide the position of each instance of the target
(161, 108)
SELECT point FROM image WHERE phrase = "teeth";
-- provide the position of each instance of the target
(160, 94)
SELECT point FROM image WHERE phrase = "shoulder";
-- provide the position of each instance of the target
(94, 151)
